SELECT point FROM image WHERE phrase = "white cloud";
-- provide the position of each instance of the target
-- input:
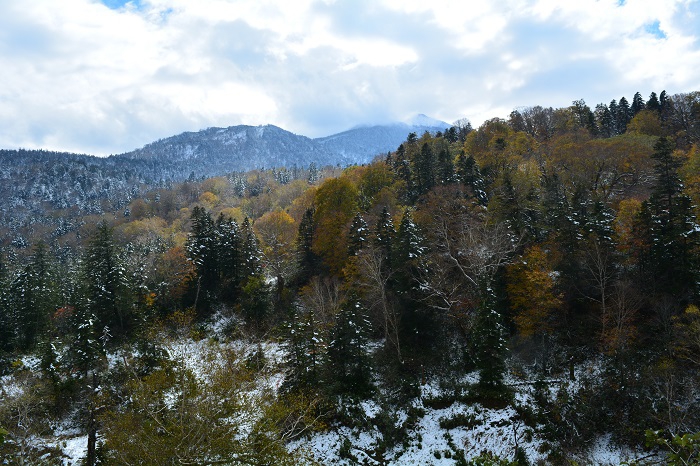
(80, 76)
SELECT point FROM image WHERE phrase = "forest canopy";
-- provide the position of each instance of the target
(526, 247)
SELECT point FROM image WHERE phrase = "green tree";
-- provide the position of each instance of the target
(424, 168)
(358, 234)
(34, 297)
(5, 321)
(105, 286)
(348, 360)
(305, 345)
(670, 230)
(491, 347)
(307, 260)
(203, 251)
(469, 174)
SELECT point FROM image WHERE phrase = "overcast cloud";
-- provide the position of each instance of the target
(108, 77)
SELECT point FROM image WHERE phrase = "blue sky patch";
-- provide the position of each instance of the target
(655, 30)
(117, 4)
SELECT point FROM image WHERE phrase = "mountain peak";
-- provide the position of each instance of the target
(424, 120)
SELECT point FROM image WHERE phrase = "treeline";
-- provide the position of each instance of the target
(532, 245)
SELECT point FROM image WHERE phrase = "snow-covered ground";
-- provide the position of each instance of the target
(473, 430)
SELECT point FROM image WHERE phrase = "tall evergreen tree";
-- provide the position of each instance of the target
(307, 260)
(229, 249)
(305, 347)
(607, 126)
(358, 235)
(673, 234)
(348, 360)
(384, 234)
(105, 287)
(445, 166)
(251, 254)
(637, 103)
(614, 112)
(623, 115)
(653, 103)
(469, 174)
(5, 321)
(424, 169)
(34, 297)
(491, 347)
(664, 105)
(202, 249)
(401, 165)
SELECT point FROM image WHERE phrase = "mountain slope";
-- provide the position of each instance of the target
(215, 151)
(363, 143)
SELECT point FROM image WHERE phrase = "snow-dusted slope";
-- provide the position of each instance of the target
(363, 143)
(215, 151)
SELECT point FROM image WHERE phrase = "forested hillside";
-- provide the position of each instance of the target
(523, 293)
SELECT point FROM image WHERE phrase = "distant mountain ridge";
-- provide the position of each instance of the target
(363, 143)
(214, 151)
(34, 183)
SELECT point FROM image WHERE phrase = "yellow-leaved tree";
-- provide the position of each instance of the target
(533, 295)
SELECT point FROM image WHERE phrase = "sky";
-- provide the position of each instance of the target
(108, 76)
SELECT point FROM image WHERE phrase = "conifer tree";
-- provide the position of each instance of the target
(358, 235)
(445, 166)
(305, 349)
(202, 248)
(637, 104)
(672, 231)
(348, 361)
(424, 169)
(34, 297)
(409, 242)
(307, 260)
(607, 126)
(401, 165)
(491, 347)
(653, 103)
(5, 322)
(105, 287)
(469, 174)
(229, 249)
(384, 234)
(623, 115)
(614, 113)
(251, 255)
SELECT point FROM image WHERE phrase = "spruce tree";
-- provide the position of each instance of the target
(491, 347)
(469, 174)
(34, 298)
(347, 356)
(404, 172)
(384, 234)
(424, 169)
(623, 115)
(105, 287)
(445, 166)
(229, 247)
(637, 103)
(308, 262)
(251, 254)
(358, 234)
(5, 322)
(304, 346)
(672, 232)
